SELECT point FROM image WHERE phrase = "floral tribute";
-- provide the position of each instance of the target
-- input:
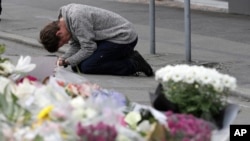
(59, 110)
(196, 90)
(187, 127)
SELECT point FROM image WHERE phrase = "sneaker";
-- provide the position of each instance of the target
(140, 64)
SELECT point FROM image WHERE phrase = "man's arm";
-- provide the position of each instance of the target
(81, 54)
(74, 48)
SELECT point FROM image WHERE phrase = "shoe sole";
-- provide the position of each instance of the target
(149, 71)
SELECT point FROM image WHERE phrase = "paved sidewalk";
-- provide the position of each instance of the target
(216, 4)
(203, 5)
(224, 53)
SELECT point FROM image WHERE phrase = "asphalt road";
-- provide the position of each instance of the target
(213, 24)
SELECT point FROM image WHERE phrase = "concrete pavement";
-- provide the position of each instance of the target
(22, 24)
(203, 5)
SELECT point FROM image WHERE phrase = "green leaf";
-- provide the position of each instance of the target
(38, 138)
(10, 108)
(2, 48)
(191, 109)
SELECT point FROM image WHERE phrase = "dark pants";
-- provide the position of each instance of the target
(109, 58)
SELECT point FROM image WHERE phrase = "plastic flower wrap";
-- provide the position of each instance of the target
(195, 89)
(114, 98)
(83, 89)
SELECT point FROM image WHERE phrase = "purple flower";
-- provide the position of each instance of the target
(103, 95)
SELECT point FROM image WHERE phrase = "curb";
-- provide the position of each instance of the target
(242, 93)
(180, 4)
(239, 92)
(24, 40)
(19, 39)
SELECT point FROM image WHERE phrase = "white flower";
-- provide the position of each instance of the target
(78, 114)
(218, 86)
(190, 76)
(168, 76)
(229, 82)
(144, 126)
(24, 65)
(24, 89)
(204, 77)
(14, 76)
(121, 137)
(7, 68)
(25, 133)
(163, 73)
(178, 75)
(199, 74)
(80, 110)
(77, 102)
(90, 113)
(132, 118)
(84, 114)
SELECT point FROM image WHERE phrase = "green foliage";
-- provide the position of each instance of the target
(200, 100)
(11, 110)
(2, 48)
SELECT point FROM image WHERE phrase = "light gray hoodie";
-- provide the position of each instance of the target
(88, 24)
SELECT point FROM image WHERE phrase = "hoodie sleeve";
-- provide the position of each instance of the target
(80, 25)
(83, 46)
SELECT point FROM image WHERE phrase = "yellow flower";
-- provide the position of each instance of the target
(43, 115)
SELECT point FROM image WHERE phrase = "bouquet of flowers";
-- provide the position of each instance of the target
(183, 127)
(64, 110)
(61, 110)
(195, 90)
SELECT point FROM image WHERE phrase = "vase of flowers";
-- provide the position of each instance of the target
(195, 90)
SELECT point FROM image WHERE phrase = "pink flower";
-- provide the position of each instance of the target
(121, 120)
(98, 132)
(29, 77)
(187, 127)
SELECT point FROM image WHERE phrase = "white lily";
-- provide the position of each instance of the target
(24, 65)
